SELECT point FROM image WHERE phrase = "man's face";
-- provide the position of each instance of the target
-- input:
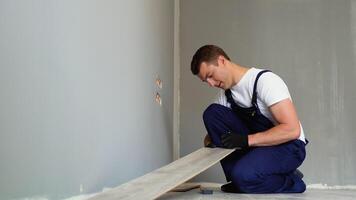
(215, 75)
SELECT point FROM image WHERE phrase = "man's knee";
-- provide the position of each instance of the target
(212, 112)
(244, 176)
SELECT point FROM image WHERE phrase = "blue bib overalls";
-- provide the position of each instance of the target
(267, 169)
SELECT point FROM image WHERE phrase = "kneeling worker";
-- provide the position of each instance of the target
(253, 113)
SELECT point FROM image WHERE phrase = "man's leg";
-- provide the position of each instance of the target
(270, 169)
(219, 120)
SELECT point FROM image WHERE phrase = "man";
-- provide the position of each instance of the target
(254, 113)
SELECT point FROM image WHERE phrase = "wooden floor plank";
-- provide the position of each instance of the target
(162, 180)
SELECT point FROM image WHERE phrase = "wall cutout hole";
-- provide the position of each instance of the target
(158, 99)
(159, 83)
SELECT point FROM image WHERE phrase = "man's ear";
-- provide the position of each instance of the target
(221, 60)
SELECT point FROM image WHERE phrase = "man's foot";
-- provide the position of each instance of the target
(298, 173)
(229, 188)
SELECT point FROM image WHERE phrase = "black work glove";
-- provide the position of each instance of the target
(232, 140)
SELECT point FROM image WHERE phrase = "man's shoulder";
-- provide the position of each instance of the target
(253, 72)
(271, 77)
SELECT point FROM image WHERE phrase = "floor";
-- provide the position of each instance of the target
(310, 194)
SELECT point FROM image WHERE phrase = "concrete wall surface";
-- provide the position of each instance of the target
(77, 88)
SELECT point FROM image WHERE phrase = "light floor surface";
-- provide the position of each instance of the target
(309, 194)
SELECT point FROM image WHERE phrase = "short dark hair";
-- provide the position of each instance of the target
(206, 53)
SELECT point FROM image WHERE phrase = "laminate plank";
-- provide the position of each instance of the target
(166, 178)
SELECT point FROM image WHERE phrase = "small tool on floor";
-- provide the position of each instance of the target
(206, 191)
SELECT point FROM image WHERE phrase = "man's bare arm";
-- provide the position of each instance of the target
(287, 129)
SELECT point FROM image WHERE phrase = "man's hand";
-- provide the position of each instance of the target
(232, 140)
(208, 142)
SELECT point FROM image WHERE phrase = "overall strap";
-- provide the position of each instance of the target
(254, 95)
(230, 99)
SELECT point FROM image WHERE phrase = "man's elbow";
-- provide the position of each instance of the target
(295, 134)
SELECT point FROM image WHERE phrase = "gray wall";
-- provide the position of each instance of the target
(311, 44)
(77, 94)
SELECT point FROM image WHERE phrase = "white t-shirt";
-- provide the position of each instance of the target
(271, 89)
